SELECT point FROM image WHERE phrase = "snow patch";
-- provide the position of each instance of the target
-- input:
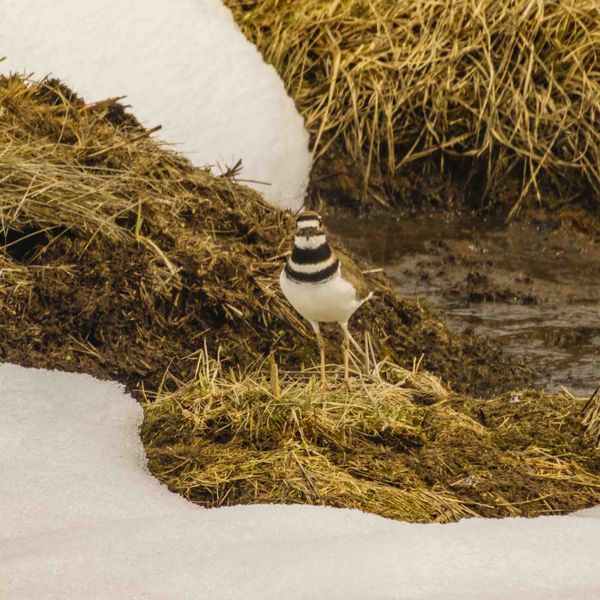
(181, 64)
(81, 517)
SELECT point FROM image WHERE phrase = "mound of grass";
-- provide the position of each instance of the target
(483, 90)
(121, 259)
(404, 448)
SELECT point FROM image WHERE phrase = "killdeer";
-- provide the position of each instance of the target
(322, 284)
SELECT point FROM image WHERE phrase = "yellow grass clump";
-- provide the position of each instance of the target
(404, 448)
(511, 89)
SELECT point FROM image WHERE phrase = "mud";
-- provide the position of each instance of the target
(89, 313)
(532, 286)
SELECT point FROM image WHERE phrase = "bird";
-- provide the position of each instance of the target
(322, 284)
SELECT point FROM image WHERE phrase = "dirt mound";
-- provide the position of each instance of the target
(436, 101)
(403, 448)
(120, 259)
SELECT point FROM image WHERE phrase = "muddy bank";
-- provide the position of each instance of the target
(533, 286)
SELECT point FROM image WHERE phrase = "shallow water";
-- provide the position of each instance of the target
(534, 288)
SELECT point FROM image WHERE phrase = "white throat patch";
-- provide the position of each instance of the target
(306, 224)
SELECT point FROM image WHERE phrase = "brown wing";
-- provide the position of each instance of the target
(350, 271)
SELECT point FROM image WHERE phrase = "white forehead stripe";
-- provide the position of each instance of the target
(310, 243)
(308, 223)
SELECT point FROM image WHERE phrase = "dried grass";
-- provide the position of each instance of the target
(388, 447)
(591, 418)
(95, 213)
(512, 87)
(119, 258)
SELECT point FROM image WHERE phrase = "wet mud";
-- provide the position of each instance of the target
(532, 286)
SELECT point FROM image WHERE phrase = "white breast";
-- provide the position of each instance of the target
(331, 301)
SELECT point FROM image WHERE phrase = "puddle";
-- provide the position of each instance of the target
(534, 288)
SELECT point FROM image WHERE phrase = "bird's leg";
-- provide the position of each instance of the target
(346, 351)
(321, 344)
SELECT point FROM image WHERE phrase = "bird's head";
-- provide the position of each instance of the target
(309, 224)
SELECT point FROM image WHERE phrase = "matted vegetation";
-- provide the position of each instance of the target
(403, 447)
(121, 259)
(484, 90)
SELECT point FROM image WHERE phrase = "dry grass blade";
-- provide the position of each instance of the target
(511, 88)
(591, 417)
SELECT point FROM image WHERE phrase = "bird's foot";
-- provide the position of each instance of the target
(347, 385)
(324, 386)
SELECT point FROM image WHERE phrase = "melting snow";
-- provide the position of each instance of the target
(81, 517)
(181, 64)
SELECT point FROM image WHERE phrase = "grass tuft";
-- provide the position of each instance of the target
(403, 447)
(497, 89)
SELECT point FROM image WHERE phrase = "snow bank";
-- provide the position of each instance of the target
(81, 517)
(182, 64)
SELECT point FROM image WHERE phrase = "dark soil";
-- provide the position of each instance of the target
(121, 309)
